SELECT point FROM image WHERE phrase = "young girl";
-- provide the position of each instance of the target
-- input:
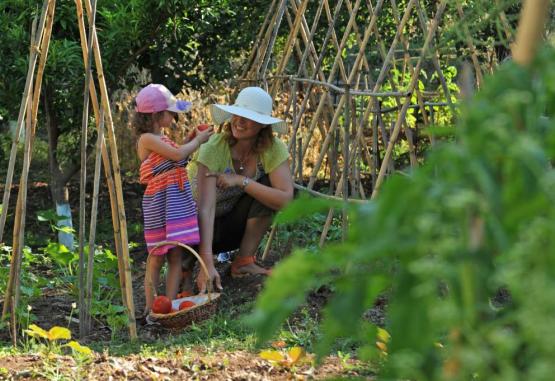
(168, 207)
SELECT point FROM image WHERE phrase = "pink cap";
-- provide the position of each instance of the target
(156, 98)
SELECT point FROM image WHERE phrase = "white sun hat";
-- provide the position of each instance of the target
(252, 103)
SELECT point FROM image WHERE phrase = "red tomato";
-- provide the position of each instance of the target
(186, 304)
(162, 305)
(202, 127)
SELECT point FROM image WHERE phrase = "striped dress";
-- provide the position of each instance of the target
(169, 211)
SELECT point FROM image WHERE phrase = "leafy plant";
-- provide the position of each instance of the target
(477, 216)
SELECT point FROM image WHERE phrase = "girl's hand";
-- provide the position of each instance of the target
(191, 134)
(213, 276)
(202, 133)
(226, 180)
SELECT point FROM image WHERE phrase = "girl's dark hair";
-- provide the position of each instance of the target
(144, 122)
(264, 139)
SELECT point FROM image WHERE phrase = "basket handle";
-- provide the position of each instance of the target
(192, 251)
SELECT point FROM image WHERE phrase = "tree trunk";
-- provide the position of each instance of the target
(58, 177)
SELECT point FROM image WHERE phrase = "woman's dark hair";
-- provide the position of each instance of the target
(264, 139)
(144, 122)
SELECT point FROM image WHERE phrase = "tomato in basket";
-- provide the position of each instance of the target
(186, 304)
(162, 305)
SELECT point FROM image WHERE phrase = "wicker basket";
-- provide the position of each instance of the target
(205, 304)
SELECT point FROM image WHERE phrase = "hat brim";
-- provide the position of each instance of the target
(180, 106)
(222, 113)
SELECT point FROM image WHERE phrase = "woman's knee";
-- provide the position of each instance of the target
(259, 223)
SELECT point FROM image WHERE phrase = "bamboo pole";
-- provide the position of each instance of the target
(504, 22)
(531, 27)
(353, 72)
(362, 49)
(288, 47)
(346, 171)
(296, 121)
(105, 157)
(337, 64)
(435, 57)
(293, 141)
(21, 213)
(270, 45)
(471, 48)
(309, 44)
(359, 139)
(31, 97)
(255, 52)
(375, 156)
(92, 226)
(414, 80)
(9, 298)
(255, 70)
(302, 63)
(83, 311)
(118, 184)
(33, 56)
(269, 242)
(316, 68)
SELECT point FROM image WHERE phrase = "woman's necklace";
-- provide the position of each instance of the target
(243, 161)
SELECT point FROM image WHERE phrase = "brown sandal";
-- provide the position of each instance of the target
(239, 262)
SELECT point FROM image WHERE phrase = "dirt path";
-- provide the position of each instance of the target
(196, 365)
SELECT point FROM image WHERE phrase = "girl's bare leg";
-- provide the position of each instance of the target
(152, 278)
(173, 277)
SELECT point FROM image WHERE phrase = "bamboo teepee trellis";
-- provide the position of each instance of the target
(106, 150)
(335, 102)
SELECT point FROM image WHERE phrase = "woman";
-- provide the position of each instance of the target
(242, 176)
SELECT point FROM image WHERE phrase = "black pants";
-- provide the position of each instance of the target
(229, 229)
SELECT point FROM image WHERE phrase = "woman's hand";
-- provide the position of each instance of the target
(227, 180)
(213, 276)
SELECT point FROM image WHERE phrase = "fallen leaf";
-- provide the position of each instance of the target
(295, 354)
(272, 356)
